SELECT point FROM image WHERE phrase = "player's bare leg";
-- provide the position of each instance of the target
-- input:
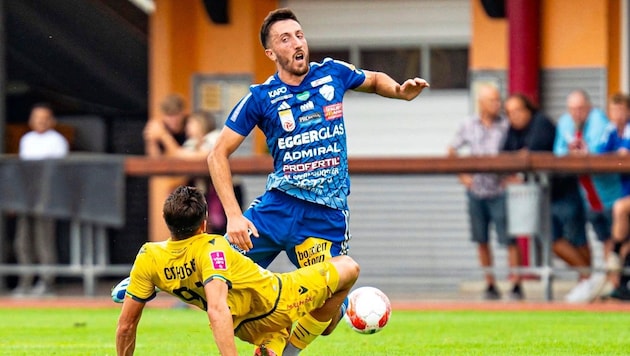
(313, 324)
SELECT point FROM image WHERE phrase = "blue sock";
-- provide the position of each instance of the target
(344, 306)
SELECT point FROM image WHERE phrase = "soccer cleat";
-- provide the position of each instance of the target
(587, 290)
(273, 341)
(262, 350)
(516, 293)
(491, 293)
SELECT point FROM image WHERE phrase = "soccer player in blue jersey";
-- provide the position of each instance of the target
(304, 210)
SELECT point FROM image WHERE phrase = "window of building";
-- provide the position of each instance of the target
(444, 67)
(449, 68)
(340, 54)
(399, 63)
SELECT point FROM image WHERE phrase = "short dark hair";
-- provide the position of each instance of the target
(620, 98)
(172, 104)
(184, 211)
(42, 105)
(527, 103)
(273, 17)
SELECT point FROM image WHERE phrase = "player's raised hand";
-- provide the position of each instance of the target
(412, 88)
(238, 232)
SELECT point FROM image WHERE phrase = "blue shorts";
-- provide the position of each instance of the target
(601, 221)
(569, 220)
(307, 232)
(482, 212)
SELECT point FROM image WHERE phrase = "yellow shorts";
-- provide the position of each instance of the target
(303, 290)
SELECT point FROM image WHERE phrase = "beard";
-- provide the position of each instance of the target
(295, 69)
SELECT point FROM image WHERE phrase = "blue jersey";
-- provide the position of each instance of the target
(305, 131)
(613, 142)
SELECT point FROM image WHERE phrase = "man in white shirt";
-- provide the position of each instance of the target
(35, 239)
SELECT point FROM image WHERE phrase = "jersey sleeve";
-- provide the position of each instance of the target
(141, 287)
(352, 76)
(216, 262)
(245, 115)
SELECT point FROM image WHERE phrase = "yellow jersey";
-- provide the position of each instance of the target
(182, 268)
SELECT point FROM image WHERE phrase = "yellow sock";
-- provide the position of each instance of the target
(306, 330)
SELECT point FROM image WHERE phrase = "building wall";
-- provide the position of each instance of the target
(580, 47)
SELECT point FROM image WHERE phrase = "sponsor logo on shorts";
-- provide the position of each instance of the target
(302, 290)
(313, 250)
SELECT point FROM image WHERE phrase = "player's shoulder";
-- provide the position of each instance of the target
(269, 83)
(335, 65)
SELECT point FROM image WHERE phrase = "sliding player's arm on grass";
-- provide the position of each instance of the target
(127, 327)
(220, 316)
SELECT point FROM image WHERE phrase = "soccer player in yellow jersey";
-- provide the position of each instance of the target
(241, 298)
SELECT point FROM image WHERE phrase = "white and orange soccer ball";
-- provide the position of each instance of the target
(368, 310)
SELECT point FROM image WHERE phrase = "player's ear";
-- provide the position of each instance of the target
(269, 53)
(204, 226)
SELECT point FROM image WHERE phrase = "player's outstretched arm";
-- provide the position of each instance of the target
(238, 226)
(383, 85)
(127, 326)
(220, 316)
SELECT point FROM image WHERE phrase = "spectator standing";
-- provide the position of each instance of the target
(580, 131)
(485, 135)
(35, 238)
(532, 131)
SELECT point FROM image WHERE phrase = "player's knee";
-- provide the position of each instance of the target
(348, 270)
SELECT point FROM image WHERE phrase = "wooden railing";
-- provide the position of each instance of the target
(504, 163)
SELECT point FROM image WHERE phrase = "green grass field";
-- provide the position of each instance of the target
(185, 332)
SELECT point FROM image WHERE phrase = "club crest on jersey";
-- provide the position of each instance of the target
(327, 91)
(218, 260)
(287, 121)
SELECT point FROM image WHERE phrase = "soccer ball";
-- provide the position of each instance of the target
(368, 310)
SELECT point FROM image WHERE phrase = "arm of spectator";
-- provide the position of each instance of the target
(465, 179)
(151, 142)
